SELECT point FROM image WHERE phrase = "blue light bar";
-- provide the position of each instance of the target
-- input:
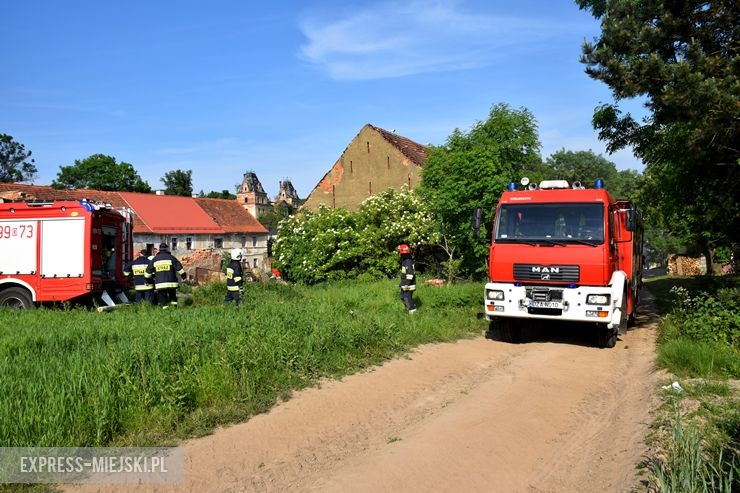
(511, 186)
(599, 183)
(571, 286)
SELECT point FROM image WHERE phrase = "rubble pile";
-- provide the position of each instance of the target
(203, 265)
(435, 282)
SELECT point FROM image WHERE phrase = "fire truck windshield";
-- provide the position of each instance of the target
(551, 223)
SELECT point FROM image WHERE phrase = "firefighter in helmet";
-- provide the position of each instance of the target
(164, 269)
(143, 286)
(234, 277)
(408, 278)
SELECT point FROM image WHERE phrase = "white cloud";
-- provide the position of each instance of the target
(394, 40)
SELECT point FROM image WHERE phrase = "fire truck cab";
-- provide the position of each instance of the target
(564, 252)
(62, 251)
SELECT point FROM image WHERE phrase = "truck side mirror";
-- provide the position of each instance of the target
(477, 220)
(630, 216)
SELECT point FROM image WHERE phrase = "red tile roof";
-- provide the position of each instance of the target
(231, 216)
(158, 213)
(171, 213)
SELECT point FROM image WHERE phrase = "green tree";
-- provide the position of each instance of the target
(682, 57)
(223, 194)
(472, 169)
(14, 163)
(280, 211)
(337, 244)
(587, 167)
(101, 172)
(178, 182)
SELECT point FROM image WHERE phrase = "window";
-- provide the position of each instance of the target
(254, 241)
(566, 222)
(218, 242)
(254, 262)
(188, 243)
(174, 244)
(244, 241)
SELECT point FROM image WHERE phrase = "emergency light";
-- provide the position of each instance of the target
(599, 183)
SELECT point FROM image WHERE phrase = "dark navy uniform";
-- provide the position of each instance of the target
(234, 280)
(164, 269)
(408, 278)
(143, 287)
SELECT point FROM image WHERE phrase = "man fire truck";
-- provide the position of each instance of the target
(62, 251)
(562, 252)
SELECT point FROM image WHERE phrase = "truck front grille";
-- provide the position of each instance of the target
(534, 272)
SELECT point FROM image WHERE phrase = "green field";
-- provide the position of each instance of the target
(146, 376)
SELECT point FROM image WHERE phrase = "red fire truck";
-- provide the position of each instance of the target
(62, 251)
(564, 252)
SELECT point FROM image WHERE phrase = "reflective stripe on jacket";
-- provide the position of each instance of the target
(164, 268)
(234, 276)
(137, 268)
(408, 278)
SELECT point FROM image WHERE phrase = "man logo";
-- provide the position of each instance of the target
(545, 277)
(536, 269)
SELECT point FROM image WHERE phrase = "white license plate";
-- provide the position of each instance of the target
(545, 304)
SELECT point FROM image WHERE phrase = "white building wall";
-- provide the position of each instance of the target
(254, 245)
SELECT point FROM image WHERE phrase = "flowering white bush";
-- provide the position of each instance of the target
(337, 244)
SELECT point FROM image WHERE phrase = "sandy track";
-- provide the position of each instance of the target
(552, 415)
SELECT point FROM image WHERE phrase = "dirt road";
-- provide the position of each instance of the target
(552, 415)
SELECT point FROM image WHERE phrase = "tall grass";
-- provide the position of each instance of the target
(699, 338)
(687, 469)
(145, 376)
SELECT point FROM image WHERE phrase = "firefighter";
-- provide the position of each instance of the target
(164, 268)
(234, 278)
(143, 286)
(408, 278)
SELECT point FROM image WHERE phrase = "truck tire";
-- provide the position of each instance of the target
(624, 318)
(511, 330)
(632, 319)
(606, 337)
(18, 298)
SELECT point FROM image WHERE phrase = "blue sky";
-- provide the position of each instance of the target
(282, 87)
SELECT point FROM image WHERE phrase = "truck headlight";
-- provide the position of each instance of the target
(493, 294)
(598, 299)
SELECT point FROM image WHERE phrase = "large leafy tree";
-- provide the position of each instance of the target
(178, 182)
(472, 169)
(682, 57)
(336, 244)
(101, 172)
(587, 167)
(14, 163)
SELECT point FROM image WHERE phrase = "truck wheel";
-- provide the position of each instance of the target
(17, 298)
(606, 337)
(632, 319)
(511, 331)
(624, 318)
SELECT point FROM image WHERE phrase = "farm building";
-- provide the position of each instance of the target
(374, 161)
